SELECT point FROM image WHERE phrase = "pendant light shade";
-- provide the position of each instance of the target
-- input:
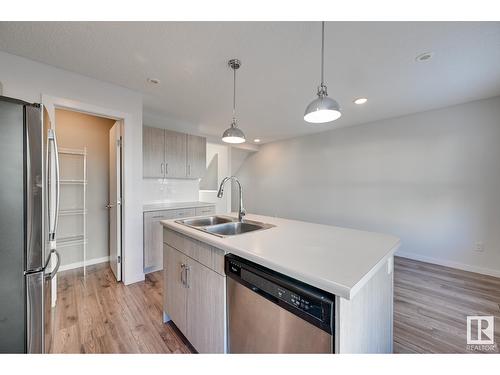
(322, 109)
(233, 134)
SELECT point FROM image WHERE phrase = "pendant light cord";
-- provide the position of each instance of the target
(322, 51)
(234, 93)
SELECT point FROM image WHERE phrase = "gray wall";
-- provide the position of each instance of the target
(238, 157)
(432, 178)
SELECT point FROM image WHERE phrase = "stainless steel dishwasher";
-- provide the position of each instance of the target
(272, 313)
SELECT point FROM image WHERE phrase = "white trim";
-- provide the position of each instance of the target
(131, 272)
(451, 264)
(80, 264)
(153, 269)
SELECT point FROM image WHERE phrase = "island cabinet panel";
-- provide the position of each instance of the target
(196, 156)
(175, 154)
(203, 253)
(205, 309)
(175, 290)
(195, 287)
(153, 146)
(365, 322)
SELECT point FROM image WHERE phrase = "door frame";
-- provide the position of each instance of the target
(51, 103)
(119, 205)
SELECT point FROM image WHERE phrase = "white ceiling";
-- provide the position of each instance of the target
(280, 69)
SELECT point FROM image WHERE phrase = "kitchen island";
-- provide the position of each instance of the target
(356, 267)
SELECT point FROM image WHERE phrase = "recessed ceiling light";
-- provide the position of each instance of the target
(360, 100)
(256, 140)
(423, 57)
(154, 81)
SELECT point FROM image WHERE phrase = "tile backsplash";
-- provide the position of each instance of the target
(169, 190)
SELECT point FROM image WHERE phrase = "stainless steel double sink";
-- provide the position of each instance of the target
(223, 226)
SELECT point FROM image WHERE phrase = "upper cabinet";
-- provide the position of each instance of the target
(175, 154)
(170, 154)
(153, 152)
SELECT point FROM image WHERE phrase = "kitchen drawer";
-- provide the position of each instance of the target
(170, 214)
(205, 254)
(184, 212)
(203, 211)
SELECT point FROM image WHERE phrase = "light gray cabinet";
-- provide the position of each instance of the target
(205, 308)
(153, 151)
(175, 154)
(175, 296)
(196, 156)
(153, 235)
(204, 211)
(170, 154)
(195, 286)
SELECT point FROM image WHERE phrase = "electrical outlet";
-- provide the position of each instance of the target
(479, 247)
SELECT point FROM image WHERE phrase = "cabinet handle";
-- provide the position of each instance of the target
(183, 267)
(158, 217)
(187, 268)
(161, 168)
(189, 169)
(166, 168)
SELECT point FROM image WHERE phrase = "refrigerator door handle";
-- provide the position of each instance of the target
(52, 231)
(53, 272)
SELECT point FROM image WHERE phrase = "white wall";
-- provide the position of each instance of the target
(238, 157)
(222, 205)
(432, 178)
(29, 80)
(157, 190)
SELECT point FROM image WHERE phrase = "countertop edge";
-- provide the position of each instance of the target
(357, 287)
(337, 289)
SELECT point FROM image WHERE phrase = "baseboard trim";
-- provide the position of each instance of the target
(89, 262)
(153, 269)
(451, 264)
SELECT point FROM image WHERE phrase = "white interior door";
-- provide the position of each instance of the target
(114, 204)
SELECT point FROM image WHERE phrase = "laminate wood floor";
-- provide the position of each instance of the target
(431, 305)
(95, 314)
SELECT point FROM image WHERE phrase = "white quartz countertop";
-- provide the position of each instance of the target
(337, 260)
(173, 205)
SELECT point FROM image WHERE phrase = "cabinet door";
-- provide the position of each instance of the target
(153, 240)
(196, 156)
(205, 308)
(153, 152)
(174, 289)
(175, 154)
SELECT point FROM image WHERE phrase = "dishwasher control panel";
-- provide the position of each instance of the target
(303, 300)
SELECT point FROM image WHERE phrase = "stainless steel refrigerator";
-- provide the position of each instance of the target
(29, 203)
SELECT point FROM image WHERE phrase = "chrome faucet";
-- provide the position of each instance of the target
(241, 210)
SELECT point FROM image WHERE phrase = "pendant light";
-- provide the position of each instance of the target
(322, 109)
(233, 134)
